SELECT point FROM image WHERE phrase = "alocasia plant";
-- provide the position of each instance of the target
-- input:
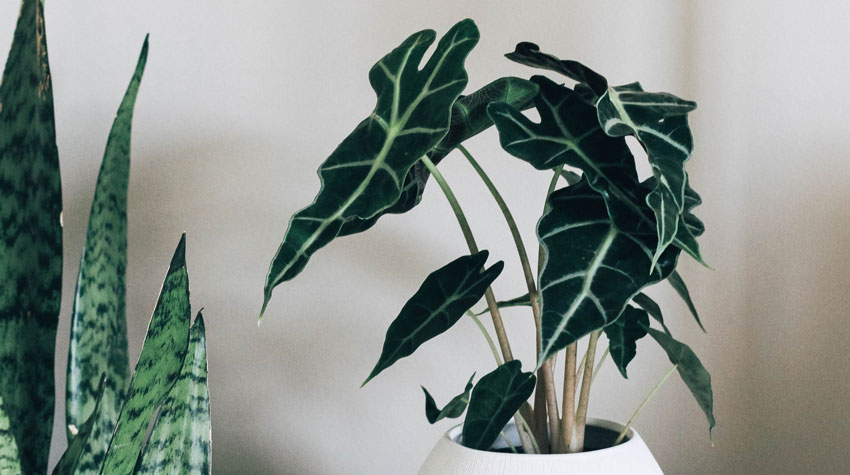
(604, 237)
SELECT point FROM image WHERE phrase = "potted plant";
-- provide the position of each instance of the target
(604, 237)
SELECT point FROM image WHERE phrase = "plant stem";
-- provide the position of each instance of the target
(644, 403)
(599, 365)
(525, 435)
(546, 374)
(577, 443)
(508, 441)
(568, 411)
(487, 337)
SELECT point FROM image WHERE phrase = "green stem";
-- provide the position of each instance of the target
(644, 403)
(599, 365)
(508, 442)
(486, 337)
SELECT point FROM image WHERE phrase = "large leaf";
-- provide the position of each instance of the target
(98, 341)
(691, 370)
(439, 303)
(365, 174)
(592, 267)
(180, 439)
(468, 118)
(495, 399)
(529, 54)
(30, 239)
(10, 461)
(623, 335)
(82, 444)
(679, 286)
(452, 410)
(158, 366)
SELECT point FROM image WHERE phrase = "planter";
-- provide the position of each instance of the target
(632, 456)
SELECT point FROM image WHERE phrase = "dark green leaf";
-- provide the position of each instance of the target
(679, 285)
(438, 304)
(10, 461)
(30, 239)
(82, 444)
(592, 268)
(529, 54)
(365, 174)
(495, 399)
(452, 410)
(691, 370)
(623, 335)
(98, 341)
(521, 301)
(645, 302)
(158, 367)
(180, 440)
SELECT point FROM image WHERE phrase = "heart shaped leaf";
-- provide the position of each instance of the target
(495, 399)
(365, 174)
(452, 410)
(438, 304)
(623, 335)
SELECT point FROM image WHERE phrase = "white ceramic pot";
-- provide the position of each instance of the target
(630, 457)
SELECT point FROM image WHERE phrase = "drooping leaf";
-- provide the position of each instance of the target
(679, 286)
(30, 239)
(365, 174)
(452, 410)
(438, 304)
(529, 54)
(495, 399)
(81, 444)
(623, 335)
(652, 308)
(659, 122)
(10, 461)
(521, 301)
(180, 440)
(98, 341)
(592, 267)
(691, 370)
(158, 366)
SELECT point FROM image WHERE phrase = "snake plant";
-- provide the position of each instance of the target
(603, 238)
(108, 411)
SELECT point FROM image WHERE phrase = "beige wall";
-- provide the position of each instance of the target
(242, 100)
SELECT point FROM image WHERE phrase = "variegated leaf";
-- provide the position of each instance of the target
(495, 399)
(81, 443)
(30, 239)
(10, 461)
(452, 410)
(98, 341)
(623, 335)
(366, 172)
(180, 439)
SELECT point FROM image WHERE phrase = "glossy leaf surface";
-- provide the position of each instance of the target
(679, 286)
(158, 366)
(365, 174)
(82, 444)
(98, 341)
(691, 370)
(623, 335)
(495, 399)
(438, 304)
(10, 461)
(452, 410)
(30, 239)
(180, 439)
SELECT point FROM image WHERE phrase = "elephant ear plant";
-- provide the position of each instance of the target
(604, 235)
(108, 411)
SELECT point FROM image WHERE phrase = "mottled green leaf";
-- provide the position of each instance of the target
(452, 410)
(495, 399)
(98, 341)
(10, 461)
(30, 239)
(180, 439)
(623, 335)
(81, 444)
(652, 308)
(439, 303)
(691, 370)
(158, 366)
(529, 54)
(365, 174)
(679, 286)
(592, 267)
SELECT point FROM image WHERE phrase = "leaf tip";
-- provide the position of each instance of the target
(178, 260)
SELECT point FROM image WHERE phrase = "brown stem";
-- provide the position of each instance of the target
(577, 444)
(539, 425)
(568, 411)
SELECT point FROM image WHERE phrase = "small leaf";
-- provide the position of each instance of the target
(679, 286)
(438, 304)
(529, 54)
(452, 410)
(623, 335)
(691, 370)
(10, 461)
(180, 439)
(159, 365)
(652, 308)
(495, 399)
(521, 301)
(80, 444)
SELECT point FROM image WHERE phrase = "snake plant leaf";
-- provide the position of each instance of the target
(495, 399)
(529, 54)
(365, 174)
(521, 301)
(82, 443)
(659, 121)
(679, 286)
(98, 341)
(452, 410)
(652, 308)
(623, 335)
(439, 303)
(10, 461)
(691, 370)
(30, 239)
(180, 439)
(592, 268)
(159, 365)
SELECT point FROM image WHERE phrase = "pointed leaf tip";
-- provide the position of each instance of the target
(178, 260)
